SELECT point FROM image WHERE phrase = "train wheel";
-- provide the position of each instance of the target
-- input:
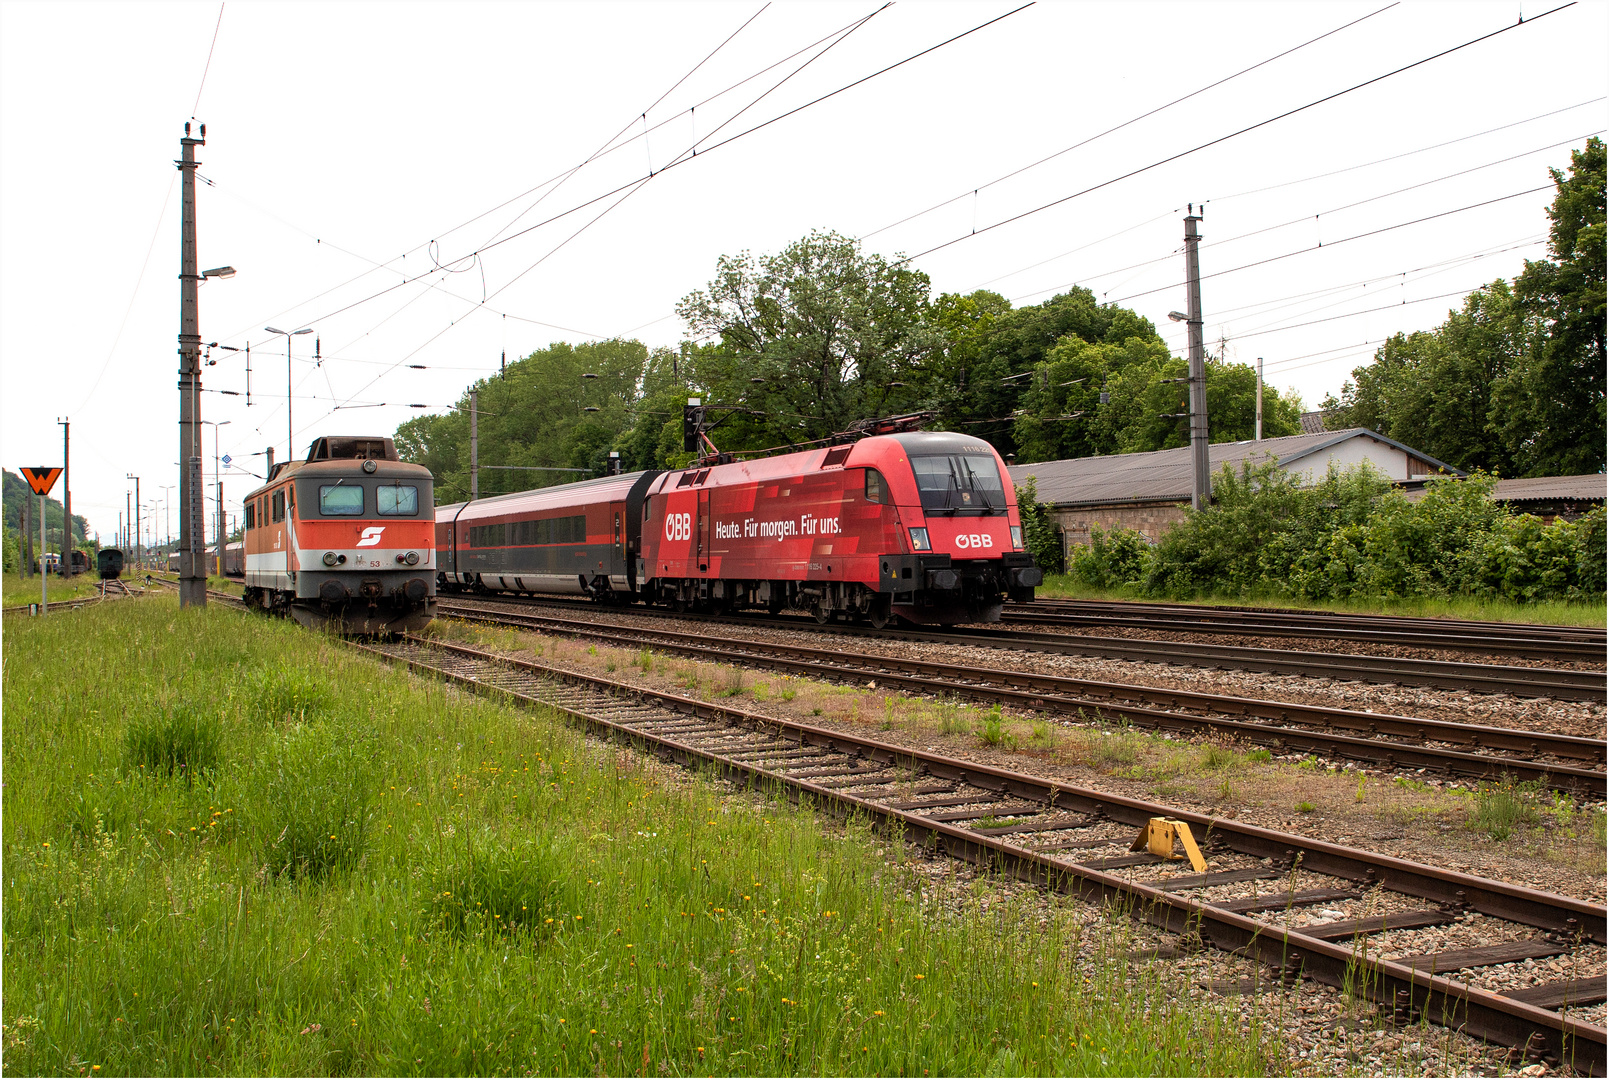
(821, 613)
(881, 613)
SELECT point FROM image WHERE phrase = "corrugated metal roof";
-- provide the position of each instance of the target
(1591, 487)
(1165, 475)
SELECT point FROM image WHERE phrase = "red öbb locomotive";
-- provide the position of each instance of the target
(344, 538)
(922, 525)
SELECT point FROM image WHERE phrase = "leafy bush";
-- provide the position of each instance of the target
(1351, 534)
(169, 739)
(1112, 558)
(1039, 533)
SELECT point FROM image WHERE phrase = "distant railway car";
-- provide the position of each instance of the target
(344, 538)
(109, 563)
(921, 525)
(234, 559)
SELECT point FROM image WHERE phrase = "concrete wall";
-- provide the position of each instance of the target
(1151, 519)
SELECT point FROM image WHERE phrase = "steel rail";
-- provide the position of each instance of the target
(1439, 999)
(1073, 696)
(1346, 667)
(1174, 621)
(1539, 631)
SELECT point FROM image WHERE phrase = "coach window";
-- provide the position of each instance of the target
(279, 505)
(876, 490)
(340, 500)
(251, 516)
(397, 500)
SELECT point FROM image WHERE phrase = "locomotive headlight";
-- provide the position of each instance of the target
(369, 466)
(329, 558)
(412, 558)
(1016, 536)
(919, 540)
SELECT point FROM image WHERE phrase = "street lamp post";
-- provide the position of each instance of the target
(290, 427)
(217, 481)
(167, 513)
(130, 476)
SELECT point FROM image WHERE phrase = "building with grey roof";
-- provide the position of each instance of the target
(1149, 492)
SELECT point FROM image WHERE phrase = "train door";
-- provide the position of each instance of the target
(703, 529)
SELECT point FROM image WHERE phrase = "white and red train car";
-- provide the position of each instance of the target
(922, 525)
(344, 538)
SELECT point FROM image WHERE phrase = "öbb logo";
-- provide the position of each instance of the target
(974, 540)
(678, 526)
(371, 536)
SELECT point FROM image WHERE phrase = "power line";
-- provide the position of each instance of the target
(1343, 240)
(1401, 279)
(1119, 127)
(1409, 153)
(630, 188)
(1234, 134)
(216, 26)
(1272, 187)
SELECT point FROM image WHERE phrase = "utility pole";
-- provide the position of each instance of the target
(474, 445)
(1259, 436)
(128, 522)
(139, 559)
(66, 500)
(1200, 467)
(27, 537)
(192, 576)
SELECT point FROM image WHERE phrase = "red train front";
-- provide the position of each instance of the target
(344, 538)
(922, 525)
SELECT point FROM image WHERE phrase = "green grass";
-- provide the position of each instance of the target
(16, 589)
(1548, 613)
(357, 870)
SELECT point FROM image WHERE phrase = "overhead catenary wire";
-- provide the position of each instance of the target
(973, 191)
(1338, 243)
(1271, 187)
(1238, 132)
(556, 178)
(625, 190)
(196, 108)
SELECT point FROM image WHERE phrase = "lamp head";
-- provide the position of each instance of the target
(219, 272)
(1178, 316)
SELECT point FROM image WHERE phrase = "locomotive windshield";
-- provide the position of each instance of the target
(959, 482)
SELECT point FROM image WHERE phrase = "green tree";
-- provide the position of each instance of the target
(1514, 382)
(1550, 414)
(1433, 390)
(563, 407)
(812, 339)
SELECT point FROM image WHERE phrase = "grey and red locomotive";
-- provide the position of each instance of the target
(344, 538)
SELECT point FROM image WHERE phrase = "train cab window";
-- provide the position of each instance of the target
(397, 500)
(876, 489)
(279, 505)
(251, 515)
(340, 500)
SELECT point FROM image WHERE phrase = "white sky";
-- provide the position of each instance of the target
(341, 135)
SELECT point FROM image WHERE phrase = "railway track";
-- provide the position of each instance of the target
(115, 589)
(1502, 639)
(1564, 684)
(1264, 895)
(1472, 750)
